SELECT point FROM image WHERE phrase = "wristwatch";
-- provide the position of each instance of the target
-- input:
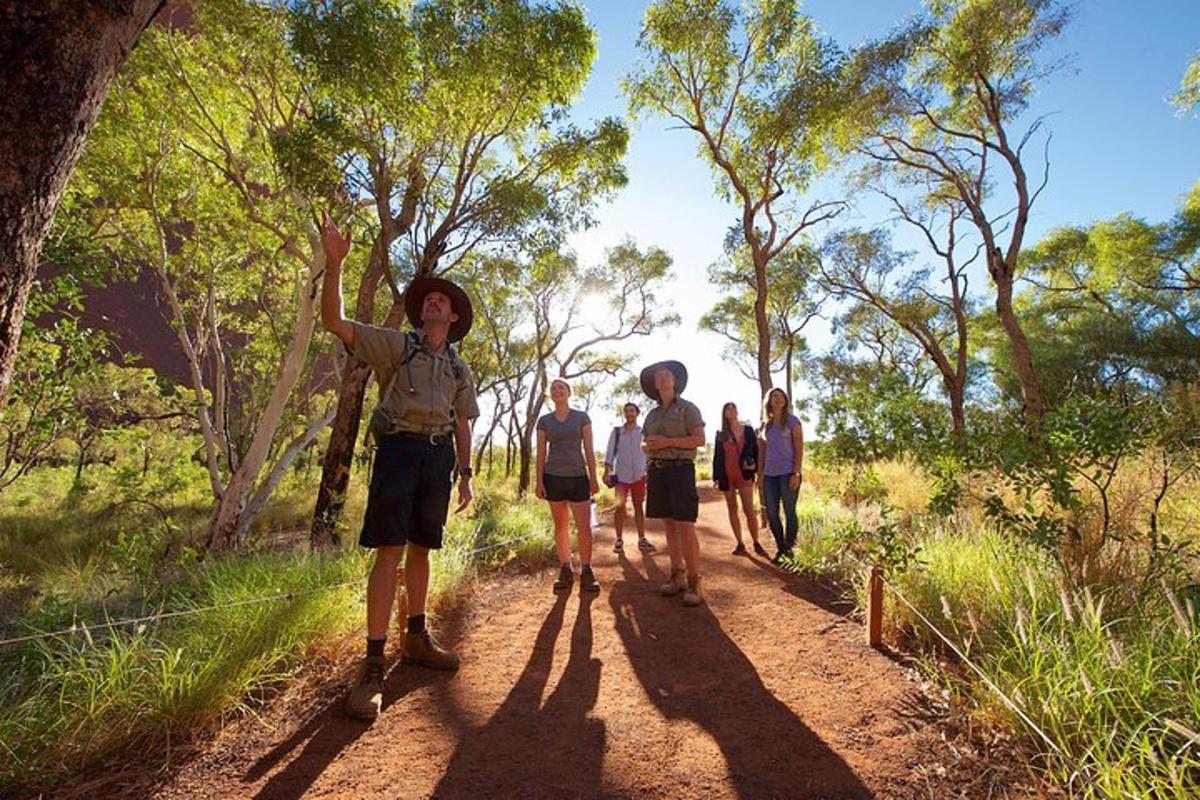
(465, 472)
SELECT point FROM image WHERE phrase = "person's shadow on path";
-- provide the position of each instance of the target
(691, 670)
(325, 736)
(533, 749)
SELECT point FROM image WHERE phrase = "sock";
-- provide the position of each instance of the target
(416, 623)
(375, 647)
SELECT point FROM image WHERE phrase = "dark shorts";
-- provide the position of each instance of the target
(410, 492)
(576, 489)
(671, 492)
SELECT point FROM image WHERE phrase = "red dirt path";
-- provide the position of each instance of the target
(768, 691)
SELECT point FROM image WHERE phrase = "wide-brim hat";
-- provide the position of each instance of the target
(677, 369)
(414, 301)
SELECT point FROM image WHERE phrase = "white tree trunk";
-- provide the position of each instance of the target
(212, 443)
(227, 522)
(267, 486)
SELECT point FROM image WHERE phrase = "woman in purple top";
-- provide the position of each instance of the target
(781, 457)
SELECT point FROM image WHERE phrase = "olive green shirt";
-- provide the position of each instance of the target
(678, 419)
(425, 395)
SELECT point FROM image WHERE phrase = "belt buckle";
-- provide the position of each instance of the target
(433, 438)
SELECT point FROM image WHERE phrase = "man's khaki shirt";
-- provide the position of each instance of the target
(437, 393)
(678, 419)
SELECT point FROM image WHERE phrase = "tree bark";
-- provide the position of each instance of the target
(761, 324)
(59, 58)
(232, 517)
(1022, 355)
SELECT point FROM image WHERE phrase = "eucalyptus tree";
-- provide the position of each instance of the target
(760, 90)
(791, 306)
(59, 59)
(863, 267)
(462, 143)
(182, 179)
(943, 103)
(624, 290)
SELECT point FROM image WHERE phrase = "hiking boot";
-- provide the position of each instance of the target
(676, 585)
(366, 693)
(760, 550)
(421, 649)
(740, 550)
(691, 595)
(618, 546)
(566, 577)
(645, 546)
(587, 580)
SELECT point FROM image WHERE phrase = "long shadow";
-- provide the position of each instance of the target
(531, 749)
(328, 733)
(808, 589)
(324, 737)
(691, 670)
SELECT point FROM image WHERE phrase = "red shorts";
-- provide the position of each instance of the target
(637, 488)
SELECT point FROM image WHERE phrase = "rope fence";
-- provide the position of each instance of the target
(292, 595)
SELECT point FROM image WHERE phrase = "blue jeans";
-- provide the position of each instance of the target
(776, 489)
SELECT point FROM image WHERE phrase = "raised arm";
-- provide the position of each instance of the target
(336, 246)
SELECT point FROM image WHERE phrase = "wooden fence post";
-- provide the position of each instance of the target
(875, 607)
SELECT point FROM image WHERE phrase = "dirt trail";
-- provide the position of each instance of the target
(766, 691)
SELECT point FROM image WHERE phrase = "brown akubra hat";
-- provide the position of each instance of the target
(414, 300)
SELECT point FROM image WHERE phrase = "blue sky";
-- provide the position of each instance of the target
(1118, 146)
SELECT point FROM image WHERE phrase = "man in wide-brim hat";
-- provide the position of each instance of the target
(672, 431)
(422, 428)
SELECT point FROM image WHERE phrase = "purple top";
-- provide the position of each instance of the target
(781, 453)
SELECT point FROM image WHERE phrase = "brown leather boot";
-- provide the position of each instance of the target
(366, 693)
(422, 649)
(691, 595)
(676, 584)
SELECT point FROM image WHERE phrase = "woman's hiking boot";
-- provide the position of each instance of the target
(740, 550)
(587, 580)
(366, 693)
(760, 550)
(691, 595)
(423, 650)
(676, 584)
(566, 577)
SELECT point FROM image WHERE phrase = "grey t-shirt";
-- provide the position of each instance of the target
(564, 452)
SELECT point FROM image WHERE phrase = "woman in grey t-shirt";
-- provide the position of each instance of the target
(566, 479)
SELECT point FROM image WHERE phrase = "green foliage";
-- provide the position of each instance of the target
(57, 361)
(1188, 96)
(869, 420)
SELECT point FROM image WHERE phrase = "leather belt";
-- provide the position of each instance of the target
(436, 438)
(668, 462)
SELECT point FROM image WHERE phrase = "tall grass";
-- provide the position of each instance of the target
(1112, 676)
(1110, 672)
(73, 700)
